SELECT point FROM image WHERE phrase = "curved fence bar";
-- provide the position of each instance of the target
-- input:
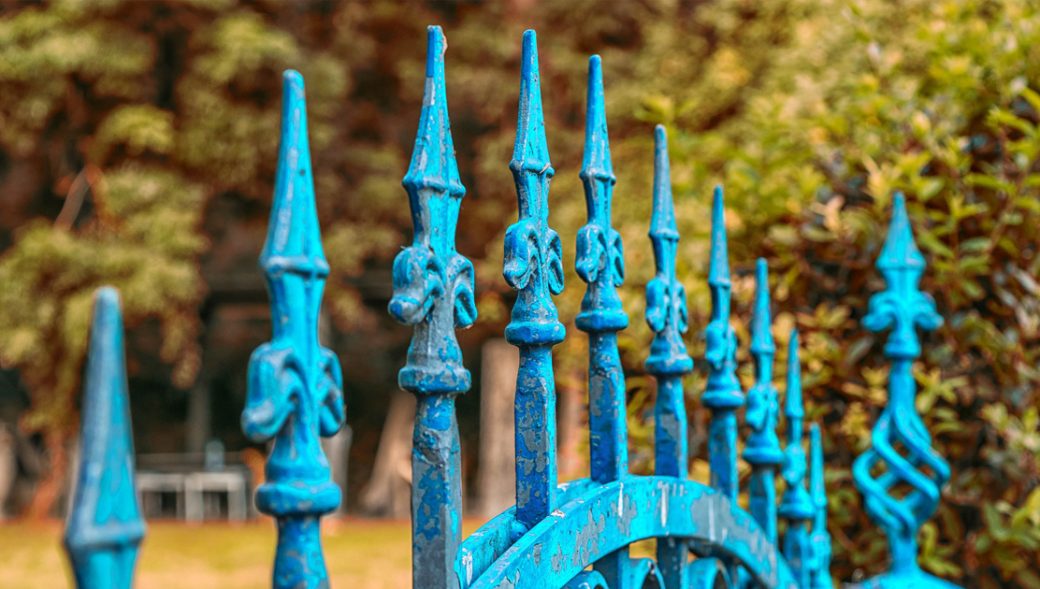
(534, 267)
(433, 291)
(295, 387)
(608, 517)
(796, 505)
(601, 265)
(763, 447)
(900, 442)
(104, 526)
(723, 395)
(667, 316)
(820, 539)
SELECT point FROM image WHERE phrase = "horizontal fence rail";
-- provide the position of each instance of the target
(575, 534)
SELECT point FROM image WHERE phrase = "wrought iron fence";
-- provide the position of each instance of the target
(575, 534)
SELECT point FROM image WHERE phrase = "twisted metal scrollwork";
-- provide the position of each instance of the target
(900, 455)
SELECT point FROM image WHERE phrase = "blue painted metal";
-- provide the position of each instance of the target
(763, 447)
(605, 518)
(668, 362)
(723, 395)
(819, 539)
(534, 267)
(433, 291)
(104, 526)
(600, 263)
(796, 506)
(295, 386)
(900, 442)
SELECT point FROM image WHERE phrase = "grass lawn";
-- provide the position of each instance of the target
(360, 554)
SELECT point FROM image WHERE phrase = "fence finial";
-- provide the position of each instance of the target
(433, 291)
(796, 505)
(820, 539)
(902, 307)
(763, 447)
(723, 394)
(295, 386)
(666, 314)
(533, 265)
(104, 526)
(600, 263)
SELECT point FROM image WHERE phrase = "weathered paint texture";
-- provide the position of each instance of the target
(433, 292)
(723, 395)
(609, 517)
(600, 264)
(668, 362)
(295, 386)
(104, 526)
(899, 441)
(533, 265)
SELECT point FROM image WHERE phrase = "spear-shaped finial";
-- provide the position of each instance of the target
(294, 394)
(820, 538)
(293, 237)
(104, 526)
(666, 314)
(763, 447)
(899, 440)
(718, 273)
(723, 394)
(600, 263)
(534, 267)
(433, 292)
(796, 505)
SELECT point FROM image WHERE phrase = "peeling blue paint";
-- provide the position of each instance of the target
(534, 267)
(593, 527)
(433, 292)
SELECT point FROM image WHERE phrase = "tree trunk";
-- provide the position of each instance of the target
(53, 483)
(496, 478)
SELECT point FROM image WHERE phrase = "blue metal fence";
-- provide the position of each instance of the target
(575, 534)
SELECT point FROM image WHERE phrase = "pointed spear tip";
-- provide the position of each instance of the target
(107, 320)
(793, 405)
(661, 137)
(596, 161)
(816, 481)
(900, 251)
(106, 299)
(530, 50)
(436, 45)
(718, 274)
(292, 78)
(530, 151)
(761, 336)
(662, 219)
